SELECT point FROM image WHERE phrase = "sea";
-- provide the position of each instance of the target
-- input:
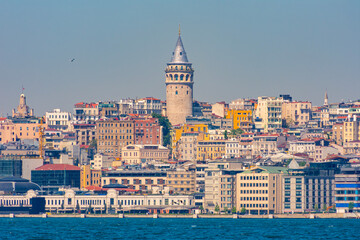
(177, 228)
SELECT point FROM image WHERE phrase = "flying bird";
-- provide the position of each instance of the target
(73, 59)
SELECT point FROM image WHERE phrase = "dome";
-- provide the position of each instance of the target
(10, 185)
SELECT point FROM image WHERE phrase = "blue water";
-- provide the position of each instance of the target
(131, 228)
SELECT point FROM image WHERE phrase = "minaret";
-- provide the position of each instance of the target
(179, 86)
(326, 99)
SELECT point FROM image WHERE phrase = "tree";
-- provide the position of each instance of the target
(225, 135)
(324, 207)
(217, 208)
(90, 210)
(236, 132)
(201, 209)
(166, 128)
(351, 206)
(78, 207)
(243, 210)
(233, 210)
(93, 144)
(226, 210)
(316, 207)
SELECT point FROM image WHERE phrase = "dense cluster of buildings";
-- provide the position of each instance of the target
(261, 156)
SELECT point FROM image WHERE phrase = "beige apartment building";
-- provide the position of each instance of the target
(138, 154)
(338, 133)
(296, 113)
(15, 129)
(112, 135)
(259, 190)
(351, 129)
(264, 144)
(182, 181)
(269, 111)
(220, 185)
(142, 180)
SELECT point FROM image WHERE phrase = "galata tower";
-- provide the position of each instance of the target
(179, 86)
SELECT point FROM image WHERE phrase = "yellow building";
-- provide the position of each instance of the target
(210, 150)
(89, 177)
(241, 118)
(351, 130)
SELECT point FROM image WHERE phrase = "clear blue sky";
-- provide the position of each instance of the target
(238, 49)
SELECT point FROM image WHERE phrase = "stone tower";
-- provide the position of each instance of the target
(23, 110)
(326, 99)
(179, 86)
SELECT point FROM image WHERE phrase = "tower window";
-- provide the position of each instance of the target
(187, 92)
(176, 68)
(181, 77)
(187, 77)
(176, 92)
(180, 53)
(176, 77)
(171, 76)
(182, 67)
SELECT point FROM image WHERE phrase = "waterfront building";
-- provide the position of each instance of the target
(220, 185)
(179, 86)
(347, 190)
(181, 181)
(55, 176)
(143, 180)
(70, 202)
(259, 190)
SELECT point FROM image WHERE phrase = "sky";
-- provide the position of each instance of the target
(239, 49)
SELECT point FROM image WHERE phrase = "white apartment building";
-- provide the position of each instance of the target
(58, 119)
(269, 111)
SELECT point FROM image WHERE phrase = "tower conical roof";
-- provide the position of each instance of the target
(179, 54)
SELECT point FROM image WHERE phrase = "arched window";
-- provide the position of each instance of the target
(171, 76)
(176, 92)
(176, 77)
(176, 68)
(181, 77)
(182, 67)
(187, 77)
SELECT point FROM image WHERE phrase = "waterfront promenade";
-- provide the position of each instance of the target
(220, 216)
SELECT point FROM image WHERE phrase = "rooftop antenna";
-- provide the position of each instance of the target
(179, 30)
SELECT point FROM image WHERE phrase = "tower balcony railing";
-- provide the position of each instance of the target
(189, 70)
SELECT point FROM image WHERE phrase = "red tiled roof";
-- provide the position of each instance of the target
(57, 167)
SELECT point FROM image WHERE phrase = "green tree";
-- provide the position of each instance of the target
(93, 144)
(226, 210)
(233, 210)
(243, 210)
(225, 135)
(166, 128)
(236, 132)
(351, 206)
(324, 207)
(90, 210)
(316, 207)
(201, 209)
(217, 208)
(78, 207)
